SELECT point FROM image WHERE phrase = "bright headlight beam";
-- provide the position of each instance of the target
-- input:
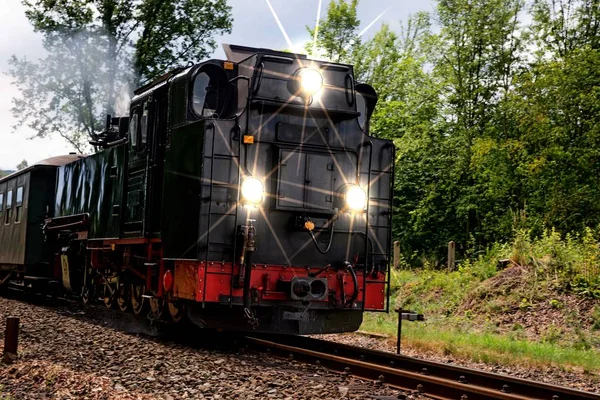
(280, 25)
(311, 80)
(252, 190)
(356, 198)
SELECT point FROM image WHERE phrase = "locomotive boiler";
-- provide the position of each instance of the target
(240, 194)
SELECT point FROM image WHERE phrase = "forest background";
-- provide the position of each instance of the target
(492, 104)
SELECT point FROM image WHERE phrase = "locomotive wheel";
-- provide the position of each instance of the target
(123, 298)
(137, 299)
(157, 307)
(176, 311)
(85, 295)
(108, 297)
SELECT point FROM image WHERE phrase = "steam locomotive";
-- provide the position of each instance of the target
(239, 194)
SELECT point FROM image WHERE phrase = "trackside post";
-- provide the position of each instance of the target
(11, 340)
(409, 316)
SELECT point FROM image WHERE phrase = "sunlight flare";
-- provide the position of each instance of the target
(280, 25)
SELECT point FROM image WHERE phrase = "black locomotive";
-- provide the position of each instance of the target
(241, 194)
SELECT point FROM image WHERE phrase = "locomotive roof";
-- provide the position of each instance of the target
(57, 161)
(233, 52)
(238, 53)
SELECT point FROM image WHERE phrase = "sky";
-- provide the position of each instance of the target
(253, 25)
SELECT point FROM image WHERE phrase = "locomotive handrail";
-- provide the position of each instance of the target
(391, 203)
(358, 170)
(246, 288)
(212, 167)
(247, 79)
(258, 82)
(62, 222)
(258, 102)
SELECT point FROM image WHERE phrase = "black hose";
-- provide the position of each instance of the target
(247, 272)
(355, 282)
(312, 235)
(372, 251)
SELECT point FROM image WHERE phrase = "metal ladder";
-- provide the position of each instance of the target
(370, 255)
(209, 243)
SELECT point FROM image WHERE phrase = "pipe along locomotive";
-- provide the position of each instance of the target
(239, 194)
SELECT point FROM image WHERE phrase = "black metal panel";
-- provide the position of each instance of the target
(156, 161)
(292, 172)
(94, 185)
(306, 181)
(219, 209)
(277, 82)
(305, 134)
(181, 191)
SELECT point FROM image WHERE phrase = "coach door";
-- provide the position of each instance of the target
(134, 224)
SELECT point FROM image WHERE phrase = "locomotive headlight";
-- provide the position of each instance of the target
(356, 198)
(311, 80)
(252, 190)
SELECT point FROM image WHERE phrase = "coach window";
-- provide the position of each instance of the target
(8, 207)
(133, 131)
(1, 205)
(19, 204)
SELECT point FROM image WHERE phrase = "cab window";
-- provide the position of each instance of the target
(133, 130)
(201, 87)
(361, 107)
(144, 125)
(1, 206)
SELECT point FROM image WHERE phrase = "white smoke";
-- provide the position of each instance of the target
(122, 101)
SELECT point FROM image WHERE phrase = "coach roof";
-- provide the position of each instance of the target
(57, 161)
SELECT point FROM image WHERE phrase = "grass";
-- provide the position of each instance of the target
(482, 346)
(475, 311)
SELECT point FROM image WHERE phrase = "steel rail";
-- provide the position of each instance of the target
(436, 380)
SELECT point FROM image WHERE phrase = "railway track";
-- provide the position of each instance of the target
(435, 380)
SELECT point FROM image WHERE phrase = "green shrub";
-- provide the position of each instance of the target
(525, 304)
(596, 318)
(555, 304)
(552, 335)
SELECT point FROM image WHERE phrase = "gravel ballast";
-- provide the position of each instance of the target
(67, 352)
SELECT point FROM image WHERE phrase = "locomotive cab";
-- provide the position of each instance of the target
(272, 180)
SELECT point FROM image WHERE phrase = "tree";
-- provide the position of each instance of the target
(561, 26)
(478, 56)
(337, 34)
(556, 103)
(98, 49)
(22, 165)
